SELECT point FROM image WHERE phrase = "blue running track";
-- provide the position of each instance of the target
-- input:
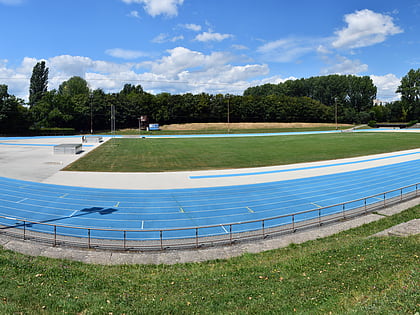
(147, 210)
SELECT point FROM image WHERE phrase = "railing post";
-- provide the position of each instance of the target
(365, 205)
(344, 210)
(125, 238)
(55, 235)
(319, 217)
(24, 230)
(89, 238)
(196, 237)
(230, 233)
(401, 194)
(161, 240)
(384, 200)
(293, 223)
(263, 228)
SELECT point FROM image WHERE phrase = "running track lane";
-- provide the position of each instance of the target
(184, 208)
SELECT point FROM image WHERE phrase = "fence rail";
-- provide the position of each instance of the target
(200, 236)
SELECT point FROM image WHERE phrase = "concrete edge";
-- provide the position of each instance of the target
(169, 257)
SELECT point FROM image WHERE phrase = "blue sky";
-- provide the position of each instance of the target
(218, 46)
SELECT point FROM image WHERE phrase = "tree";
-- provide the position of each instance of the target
(74, 86)
(410, 94)
(53, 110)
(354, 94)
(13, 115)
(76, 94)
(361, 93)
(39, 83)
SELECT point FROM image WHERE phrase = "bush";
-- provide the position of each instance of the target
(372, 123)
(412, 123)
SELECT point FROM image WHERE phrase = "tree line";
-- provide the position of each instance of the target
(347, 98)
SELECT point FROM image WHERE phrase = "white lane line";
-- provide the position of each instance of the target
(250, 210)
(226, 231)
(142, 224)
(74, 212)
(22, 200)
(117, 205)
(64, 196)
(313, 203)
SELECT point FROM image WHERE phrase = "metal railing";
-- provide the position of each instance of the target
(200, 236)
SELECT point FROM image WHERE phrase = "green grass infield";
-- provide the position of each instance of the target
(158, 155)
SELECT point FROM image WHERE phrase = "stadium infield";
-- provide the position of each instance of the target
(237, 184)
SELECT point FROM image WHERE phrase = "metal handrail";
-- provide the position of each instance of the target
(208, 239)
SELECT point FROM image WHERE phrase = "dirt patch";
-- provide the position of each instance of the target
(217, 126)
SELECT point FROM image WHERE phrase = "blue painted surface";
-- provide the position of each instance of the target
(302, 168)
(36, 144)
(224, 135)
(181, 208)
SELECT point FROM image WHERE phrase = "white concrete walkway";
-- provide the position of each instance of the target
(33, 159)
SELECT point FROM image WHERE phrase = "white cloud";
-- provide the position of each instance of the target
(286, 50)
(192, 27)
(125, 53)
(181, 59)
(343, 65)
(158, 7)
(134, 14)
(271, 80)
(210, 36)
(321, 49)
(181, 70)
(161, 38)
(387, 85)
(17, 79)
(70, 65)
(164, 38)
(365, 28)
(185, 70)
(240, 47)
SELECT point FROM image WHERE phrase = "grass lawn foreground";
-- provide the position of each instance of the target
(346, 273)
(156, 155)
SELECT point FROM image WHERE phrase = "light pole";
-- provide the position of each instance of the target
(228, 113)
(336, 122)
(91, 114)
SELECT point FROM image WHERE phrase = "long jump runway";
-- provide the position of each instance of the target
(146, 210)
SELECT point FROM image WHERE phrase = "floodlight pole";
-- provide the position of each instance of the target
(228, 113)
(91, 114)
(112, 119)
(336, 121)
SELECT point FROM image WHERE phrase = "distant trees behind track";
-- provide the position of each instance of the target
(347, 98)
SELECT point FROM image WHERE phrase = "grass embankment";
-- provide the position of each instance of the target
(234, 128)
(154, 155)
(347, 273)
